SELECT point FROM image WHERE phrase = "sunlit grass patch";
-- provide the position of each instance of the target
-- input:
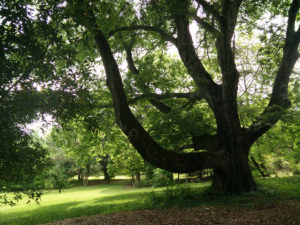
(108, 198)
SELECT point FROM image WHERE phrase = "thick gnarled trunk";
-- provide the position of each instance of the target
(235, 176)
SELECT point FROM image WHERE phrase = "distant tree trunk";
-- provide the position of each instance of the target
(86, 174)
(132, 179)
(149, 170)
(106, 175)
(137, 177)
(104, 163)
(80, 175)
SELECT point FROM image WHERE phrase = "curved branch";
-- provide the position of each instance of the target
(279, 100)
(159, 105)
(294, 9)
(130, 61)
(207, 87)
(150, 150)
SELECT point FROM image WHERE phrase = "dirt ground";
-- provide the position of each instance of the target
(287, 213)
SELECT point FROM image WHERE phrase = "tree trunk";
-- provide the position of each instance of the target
(137, 177)
(106, 175)
(86, 175)
(235, 176)
(104, 163)
(80, 175)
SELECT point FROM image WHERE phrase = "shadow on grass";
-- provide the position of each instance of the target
(108, 204)
(270, 192)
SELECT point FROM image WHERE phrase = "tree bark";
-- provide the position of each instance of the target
(236, 176)
(86, 175)
(137, 177)
(104, 163)
(80, 175)
(106, 175)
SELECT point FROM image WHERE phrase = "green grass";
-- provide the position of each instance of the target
(107, 198)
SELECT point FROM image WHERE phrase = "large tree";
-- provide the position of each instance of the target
(113, 29)
(229, 155)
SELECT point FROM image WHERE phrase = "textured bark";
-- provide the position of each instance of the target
(206, 142)
(235, 175)
(235, 178)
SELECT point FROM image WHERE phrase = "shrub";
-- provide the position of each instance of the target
(172, 196)
(297, 169)
(162, 178)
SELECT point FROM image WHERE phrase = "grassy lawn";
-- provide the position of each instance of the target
(107, 198)
(79, 201)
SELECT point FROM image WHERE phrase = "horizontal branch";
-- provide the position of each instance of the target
(160, 106)
(190, 95)
(162, 33)
(206, 142)
(208, 27)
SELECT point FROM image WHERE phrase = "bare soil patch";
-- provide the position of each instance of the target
(285, 213)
